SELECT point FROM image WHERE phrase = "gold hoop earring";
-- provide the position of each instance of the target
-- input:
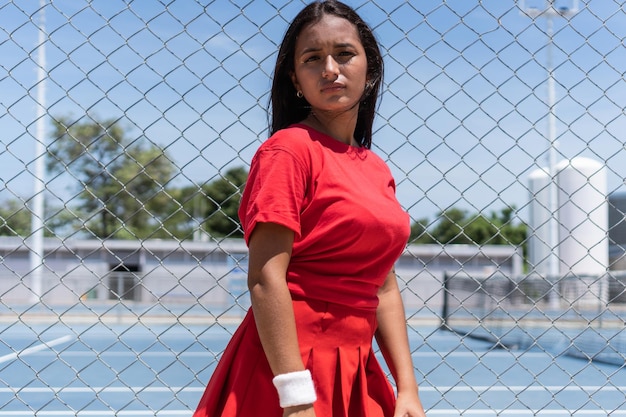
(299, 94)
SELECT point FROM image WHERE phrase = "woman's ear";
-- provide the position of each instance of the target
(294, 81)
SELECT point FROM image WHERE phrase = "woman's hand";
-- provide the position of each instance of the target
(393, 341)
(299, 411)
(408, 405)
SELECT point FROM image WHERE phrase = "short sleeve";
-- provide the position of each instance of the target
(275, 190)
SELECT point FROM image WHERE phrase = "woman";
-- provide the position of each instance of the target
(324, 230)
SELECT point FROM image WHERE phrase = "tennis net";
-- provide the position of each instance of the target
(581, 316)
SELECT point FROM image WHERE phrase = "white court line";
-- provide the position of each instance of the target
(438, 355)
(446, 389)
(34, 349)
(487, 412)
(178, 413)
(492, 354)
(524, 413)
(524, 388)
(437, 412)
(76, 353)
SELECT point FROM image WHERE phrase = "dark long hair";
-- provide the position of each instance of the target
(287, 108)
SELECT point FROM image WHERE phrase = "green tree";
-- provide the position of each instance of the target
(456, 226)
(121, 183)
(509, 232)
(223, 197)
(211, 208)
(449, 229)
(419, 232)
(14, 218)
(482, 230)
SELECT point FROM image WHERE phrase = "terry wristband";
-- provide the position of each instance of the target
(295, 388)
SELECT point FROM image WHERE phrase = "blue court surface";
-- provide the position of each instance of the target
(141, 369)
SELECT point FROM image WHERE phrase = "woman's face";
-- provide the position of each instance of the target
(330, 65)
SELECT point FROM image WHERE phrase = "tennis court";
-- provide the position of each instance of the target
(141, 369)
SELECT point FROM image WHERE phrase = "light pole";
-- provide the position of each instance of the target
(549, 11)
(37, 202)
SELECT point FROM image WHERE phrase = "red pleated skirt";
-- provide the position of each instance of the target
(336, 346)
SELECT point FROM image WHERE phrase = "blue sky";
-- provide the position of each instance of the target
(462, 121)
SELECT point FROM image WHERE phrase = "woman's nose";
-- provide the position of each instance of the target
(331, 68)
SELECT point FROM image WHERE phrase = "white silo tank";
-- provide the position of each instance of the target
(583, 217)
(539, 221)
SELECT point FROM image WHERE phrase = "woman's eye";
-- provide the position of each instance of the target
(340, 57)
(344, 56)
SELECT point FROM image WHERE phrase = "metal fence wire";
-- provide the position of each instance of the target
(127, 128)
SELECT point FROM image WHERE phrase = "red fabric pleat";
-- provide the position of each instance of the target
(336, 346)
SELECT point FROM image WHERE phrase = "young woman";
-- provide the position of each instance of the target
(324, 230)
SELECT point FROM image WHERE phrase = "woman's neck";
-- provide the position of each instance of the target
(339, 127)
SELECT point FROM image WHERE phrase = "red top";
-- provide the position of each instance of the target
(340, 202)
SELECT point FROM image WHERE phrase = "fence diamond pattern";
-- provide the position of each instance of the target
(127, 128)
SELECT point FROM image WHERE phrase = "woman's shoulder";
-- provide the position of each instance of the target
(288, 146)
(295, 138)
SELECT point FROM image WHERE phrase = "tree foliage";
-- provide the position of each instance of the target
(210, 209)
(419, 232)
(457, 226)
(223, 197)
(125, 191)
(120, 183)
(14, 218)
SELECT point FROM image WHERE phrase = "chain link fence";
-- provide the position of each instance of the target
(127, 128)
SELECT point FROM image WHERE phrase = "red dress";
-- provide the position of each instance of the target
(349, 230)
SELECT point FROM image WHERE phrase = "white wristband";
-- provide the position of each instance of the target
(295, 388)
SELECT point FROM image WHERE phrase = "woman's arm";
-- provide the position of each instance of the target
(269, 255)
(393, 341)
